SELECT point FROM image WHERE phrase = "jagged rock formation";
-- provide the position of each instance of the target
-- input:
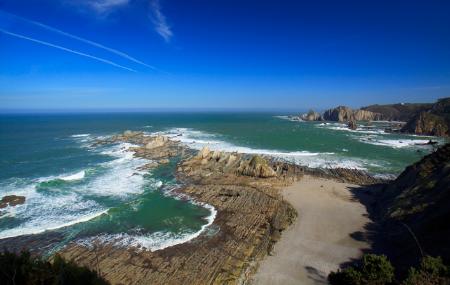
(158, 141)
(346, 114)
(352, 125)
(311, 116)
(340, 114)
(256, 167)
(364, 115)
(427, 124)
(416, 206)
(435, 121)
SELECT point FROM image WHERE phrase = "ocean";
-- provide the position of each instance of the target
(85, 193)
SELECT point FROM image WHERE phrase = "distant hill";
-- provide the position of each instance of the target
(399, 112)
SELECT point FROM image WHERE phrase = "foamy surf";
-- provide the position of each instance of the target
(153, 241)
(197, 140)
(33, 230)
(80, 135)
(72, 177)
(395, 143)
(53, 206)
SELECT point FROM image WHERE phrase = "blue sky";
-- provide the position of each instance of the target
(128, 54)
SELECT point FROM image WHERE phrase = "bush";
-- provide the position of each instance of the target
(18, 269)
(377, 270)
(373, 269)
(432, 271)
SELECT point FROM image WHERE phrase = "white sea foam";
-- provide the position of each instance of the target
(80, 135)
(197, 140)
(290, 118)
(154, 241)
(45, 211)
(394, 143)
(343, 127)
(49, 224)
(76, 176)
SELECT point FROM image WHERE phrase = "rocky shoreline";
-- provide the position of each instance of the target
(251, 215)
(245, 190)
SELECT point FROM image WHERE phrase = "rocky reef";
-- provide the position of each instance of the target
(11, 200)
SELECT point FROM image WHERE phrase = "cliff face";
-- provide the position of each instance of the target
(435, 121)
(345, 114)
(426, 124)
(417, 202)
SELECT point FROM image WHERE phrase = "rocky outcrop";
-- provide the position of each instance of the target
(256, 167)
(11, 200)
(157, 141)
(427, 124)
(346, 114)
(251, 214)
(311, 116)
(339, 114)
(364, 115)
(352, 125)
(434, 122)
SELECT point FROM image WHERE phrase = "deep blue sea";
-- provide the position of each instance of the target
(88, 193)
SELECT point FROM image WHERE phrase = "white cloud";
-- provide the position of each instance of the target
(160, 22)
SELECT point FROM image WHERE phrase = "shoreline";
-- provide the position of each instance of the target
(251, 215)
(324, 236)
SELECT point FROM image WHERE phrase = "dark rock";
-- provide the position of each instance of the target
(11, 200)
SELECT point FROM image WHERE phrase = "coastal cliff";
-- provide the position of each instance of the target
(346, 114)
(421, 119)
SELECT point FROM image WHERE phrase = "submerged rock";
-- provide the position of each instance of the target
(11, 200)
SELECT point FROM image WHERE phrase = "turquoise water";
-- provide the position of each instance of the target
(85, 192)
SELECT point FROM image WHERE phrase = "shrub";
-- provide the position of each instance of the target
(432, 271)
(373, 269)
(17, 269)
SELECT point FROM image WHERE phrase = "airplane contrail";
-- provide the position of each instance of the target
(92, 43)
(66, 49)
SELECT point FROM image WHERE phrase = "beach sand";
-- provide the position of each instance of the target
(319, 240)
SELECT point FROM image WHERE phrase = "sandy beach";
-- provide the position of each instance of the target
(319, 240)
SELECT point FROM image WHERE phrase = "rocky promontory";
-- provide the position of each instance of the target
(251, 214)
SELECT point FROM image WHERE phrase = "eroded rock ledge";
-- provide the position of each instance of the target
(251, 214)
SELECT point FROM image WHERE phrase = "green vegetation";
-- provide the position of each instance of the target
(24, 269)
(377, 270)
